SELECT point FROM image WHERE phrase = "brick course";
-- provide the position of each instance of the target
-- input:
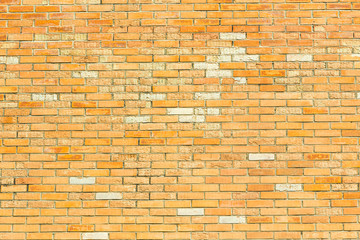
(193, 119)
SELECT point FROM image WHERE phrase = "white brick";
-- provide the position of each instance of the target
(232, 50)
(232, 219)
(204, 96)
(261, 156)
(209, 111)
(5, 74)
(240, 80)
(208, 126)
(206, 66)
(190, 211)
(193, 118)
(152, 66)
(299, 57)
(358, 95)
(218, 73)
(95, 236)
(288, 187)
(213, 111)
(12, 60)
(245, 58)
(224, 58)
(345, 187)
(150, 96)
(46, 37)
(212, 59)
(137, 119)
(85, 74)
(109, 195)
(87, 180)
(180, 111)
(76, 36)
(232, 36)
(9, 60)
(7, 45)
(44, 97)
(200, 111)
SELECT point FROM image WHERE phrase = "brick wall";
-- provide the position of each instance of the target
(174, 119)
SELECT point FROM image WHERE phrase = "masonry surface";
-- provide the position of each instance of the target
(179, 119)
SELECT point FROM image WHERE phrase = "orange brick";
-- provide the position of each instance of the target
(141, 121)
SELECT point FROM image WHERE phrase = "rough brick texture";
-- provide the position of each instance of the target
(179, 119)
